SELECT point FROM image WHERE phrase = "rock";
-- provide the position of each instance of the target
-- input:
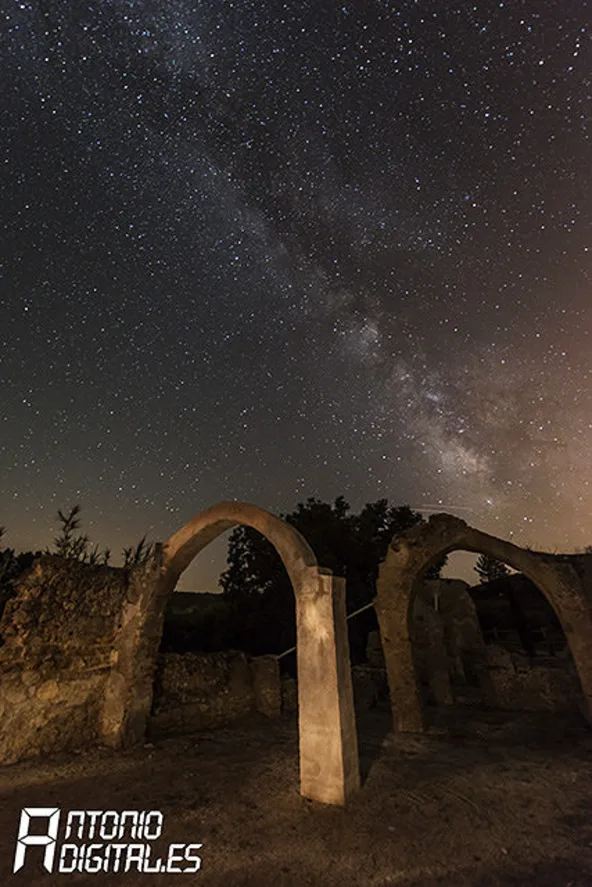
(48, 691)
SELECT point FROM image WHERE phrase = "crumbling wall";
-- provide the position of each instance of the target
(533, 685)
(57, 650)
(463, 638)
(454, 664)
(57, 635)
(446, 637)
(194, 691)
(561, 578)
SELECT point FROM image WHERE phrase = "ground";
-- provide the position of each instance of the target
(497, 799)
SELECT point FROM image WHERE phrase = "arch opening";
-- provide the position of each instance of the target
(559, 578)
(494, 645)
(329, 767)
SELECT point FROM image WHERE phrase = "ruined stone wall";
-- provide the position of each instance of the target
(429, 650)
(547, 685)
(57, 647)
(57, 635)
(444, 619)
(194, 691)
(444, 627)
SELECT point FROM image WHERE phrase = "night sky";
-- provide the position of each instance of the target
(264, 251)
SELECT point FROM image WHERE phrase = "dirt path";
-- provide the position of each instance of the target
(505, 801)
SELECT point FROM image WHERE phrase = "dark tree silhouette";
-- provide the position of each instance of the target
(257, 586)
(73, 546)
(490, 568)
(141, 554)
(67, 544)
(76, 547)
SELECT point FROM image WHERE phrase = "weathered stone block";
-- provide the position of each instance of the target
(48, 691)
(266, 686)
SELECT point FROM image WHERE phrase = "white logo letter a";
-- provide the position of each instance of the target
(24, 839)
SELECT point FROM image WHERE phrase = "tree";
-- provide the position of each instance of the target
(256, 585)
(490, 568)
(138, 556)
(351, 545)
(78, 547)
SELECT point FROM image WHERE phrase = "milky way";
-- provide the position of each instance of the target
(264, 251)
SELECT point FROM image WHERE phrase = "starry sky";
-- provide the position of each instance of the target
(265, 251)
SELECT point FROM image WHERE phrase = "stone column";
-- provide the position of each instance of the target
(466, 638)
(576, 622)
(128, 694)
(429, 636)
(329, 764)
(392, 609)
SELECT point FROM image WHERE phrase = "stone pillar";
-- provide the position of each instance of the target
(329, 764)
(578, 631)
(392, 609)
(440, 687)
(266, 685)
(465, 638)
(428, 636)
(130, 686)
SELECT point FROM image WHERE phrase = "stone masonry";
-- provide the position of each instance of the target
(194, 691)
(565, 580)
(57, 636)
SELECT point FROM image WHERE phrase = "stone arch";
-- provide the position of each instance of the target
(565, 581)
(329, 766)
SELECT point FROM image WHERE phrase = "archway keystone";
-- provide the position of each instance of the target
(329, 767)
(564, 579)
